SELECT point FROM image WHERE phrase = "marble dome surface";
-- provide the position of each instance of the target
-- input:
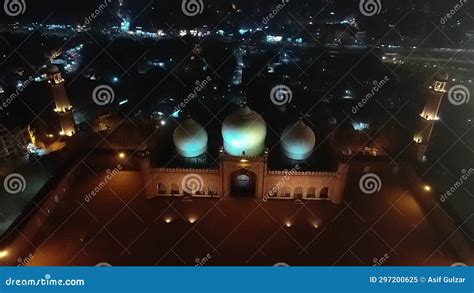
(244, 132)
(298, 141)
(190, 139)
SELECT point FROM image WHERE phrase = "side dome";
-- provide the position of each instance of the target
(190, 139)
(244, 131)
(346, 151)
(298, 141)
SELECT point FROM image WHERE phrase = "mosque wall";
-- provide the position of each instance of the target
(275, 185)
(305, 185)
(180, 182)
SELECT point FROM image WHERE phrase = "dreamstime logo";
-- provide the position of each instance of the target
(281, 264)
(275, 11)
(459, 264)
(200, 86)
(192, 7)
(14, 183)
(381, 261)
(46, 281)
(14, 7)
(110, 174)
(274, 191)
(281, 95)
(459, 95)
(452, 12)
(103, 95)
(23, 262)
(192, 183)
(370, 7)
(202, 262)
(5, 103)
(103, 264)
(466, 175)
(378, 85)
(370, 183)
(98, 12)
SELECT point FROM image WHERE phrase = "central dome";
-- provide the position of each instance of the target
(298, 141)
(190, 139)
(244, 133)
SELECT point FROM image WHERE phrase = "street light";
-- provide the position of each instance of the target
(121, 155)
(427, 188)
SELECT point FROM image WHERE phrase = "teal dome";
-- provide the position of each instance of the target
(190, 139)
(244, 132)
(298, 141)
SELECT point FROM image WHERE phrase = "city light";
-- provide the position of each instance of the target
(192, 220)
(168, 220)
(427, 188)
(125, 26)
(288, 224)
(3, 253)
(121, 155)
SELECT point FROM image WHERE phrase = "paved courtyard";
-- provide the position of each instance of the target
(120, 227)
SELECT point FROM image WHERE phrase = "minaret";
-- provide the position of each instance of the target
(429, 116)
(144, 164)
(63, 106)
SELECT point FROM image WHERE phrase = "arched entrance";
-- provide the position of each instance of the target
(324, 194)
(243, 183)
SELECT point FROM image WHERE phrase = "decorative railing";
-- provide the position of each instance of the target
(186, 170)
(300, 173)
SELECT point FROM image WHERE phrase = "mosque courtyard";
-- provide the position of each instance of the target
(120, 227)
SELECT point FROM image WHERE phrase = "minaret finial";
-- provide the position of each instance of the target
(301, 116)
(244, 101)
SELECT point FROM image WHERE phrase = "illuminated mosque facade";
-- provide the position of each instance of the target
(242, 169)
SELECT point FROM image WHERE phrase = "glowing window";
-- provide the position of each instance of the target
(440, 86)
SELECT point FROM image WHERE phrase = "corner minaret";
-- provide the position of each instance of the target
(429, 116)
(63, 106)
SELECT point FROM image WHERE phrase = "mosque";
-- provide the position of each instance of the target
(242, 168)
(239, 168)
